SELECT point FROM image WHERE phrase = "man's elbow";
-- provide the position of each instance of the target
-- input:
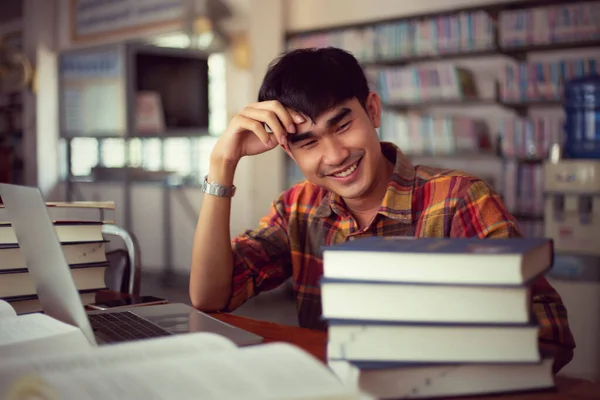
(206, 303)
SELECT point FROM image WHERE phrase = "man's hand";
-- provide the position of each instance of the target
(247, 133)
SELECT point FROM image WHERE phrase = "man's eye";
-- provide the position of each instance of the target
(309, 144)
(344, 126)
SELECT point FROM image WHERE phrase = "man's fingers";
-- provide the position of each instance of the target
(296, 116)
(287, 118)
(268, 117)
(257, 128)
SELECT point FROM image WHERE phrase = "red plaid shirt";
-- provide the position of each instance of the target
(420, 201)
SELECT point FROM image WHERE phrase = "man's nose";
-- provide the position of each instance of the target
(335, 152)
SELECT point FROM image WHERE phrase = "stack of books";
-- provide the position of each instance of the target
(435, 317)
(79, 229)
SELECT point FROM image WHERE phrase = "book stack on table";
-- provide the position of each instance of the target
(435, 317)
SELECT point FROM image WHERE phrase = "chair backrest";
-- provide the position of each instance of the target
(125, 264)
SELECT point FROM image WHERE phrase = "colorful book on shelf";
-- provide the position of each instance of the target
(416, 85)
(542, 81)
(406, 38)
(549, 24)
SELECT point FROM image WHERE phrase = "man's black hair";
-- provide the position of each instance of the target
(314, 80)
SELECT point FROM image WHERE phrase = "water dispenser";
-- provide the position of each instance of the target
(572, 219)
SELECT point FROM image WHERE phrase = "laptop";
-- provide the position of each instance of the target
(60, 299)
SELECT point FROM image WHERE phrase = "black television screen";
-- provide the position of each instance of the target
(181, 80)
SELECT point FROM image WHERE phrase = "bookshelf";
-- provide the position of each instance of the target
(421, 67)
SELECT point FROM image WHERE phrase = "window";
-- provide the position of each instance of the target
(112, 152)
(84, 155)
(187, 156)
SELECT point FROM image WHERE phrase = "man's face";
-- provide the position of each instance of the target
(341, 151)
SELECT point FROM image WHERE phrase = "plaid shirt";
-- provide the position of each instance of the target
(419, 201)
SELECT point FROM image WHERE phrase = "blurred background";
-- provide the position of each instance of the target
(123, 100)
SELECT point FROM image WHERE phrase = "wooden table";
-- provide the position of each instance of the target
(314, 343)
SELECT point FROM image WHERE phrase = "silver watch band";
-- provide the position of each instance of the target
(216, 189)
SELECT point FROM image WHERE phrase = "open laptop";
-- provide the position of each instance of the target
(60, 299)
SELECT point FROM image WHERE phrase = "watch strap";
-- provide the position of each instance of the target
(216, 189)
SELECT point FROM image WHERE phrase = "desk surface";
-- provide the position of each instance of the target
(314, 343)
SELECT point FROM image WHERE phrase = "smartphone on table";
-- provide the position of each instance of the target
(128, 302)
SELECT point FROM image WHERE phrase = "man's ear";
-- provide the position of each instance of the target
(374, 109)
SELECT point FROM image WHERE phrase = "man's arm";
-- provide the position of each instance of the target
(481, 213)
(212, 270)
(225, 273)
(212, 259)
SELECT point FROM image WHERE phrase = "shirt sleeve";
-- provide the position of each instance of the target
(481, 213)
(261, 257)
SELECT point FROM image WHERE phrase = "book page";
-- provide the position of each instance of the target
(272, 371)
(6, 310)
(37, 335)
(27, 327)
(127, 353)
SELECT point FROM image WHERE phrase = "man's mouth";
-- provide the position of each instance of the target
(348, 171)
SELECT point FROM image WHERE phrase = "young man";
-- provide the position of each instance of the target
(316, 105)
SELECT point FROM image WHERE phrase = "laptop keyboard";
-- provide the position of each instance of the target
(123, 326)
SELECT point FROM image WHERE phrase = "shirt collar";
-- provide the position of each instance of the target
(397, 201)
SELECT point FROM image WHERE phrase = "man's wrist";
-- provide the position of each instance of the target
(221, 171)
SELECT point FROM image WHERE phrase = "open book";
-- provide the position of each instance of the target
(29, 334)
(189, 366)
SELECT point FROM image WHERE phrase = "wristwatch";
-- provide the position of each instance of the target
(216, 189)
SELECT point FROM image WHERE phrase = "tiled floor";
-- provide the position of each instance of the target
(276, 305)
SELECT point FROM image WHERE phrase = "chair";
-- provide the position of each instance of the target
(123, 275)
